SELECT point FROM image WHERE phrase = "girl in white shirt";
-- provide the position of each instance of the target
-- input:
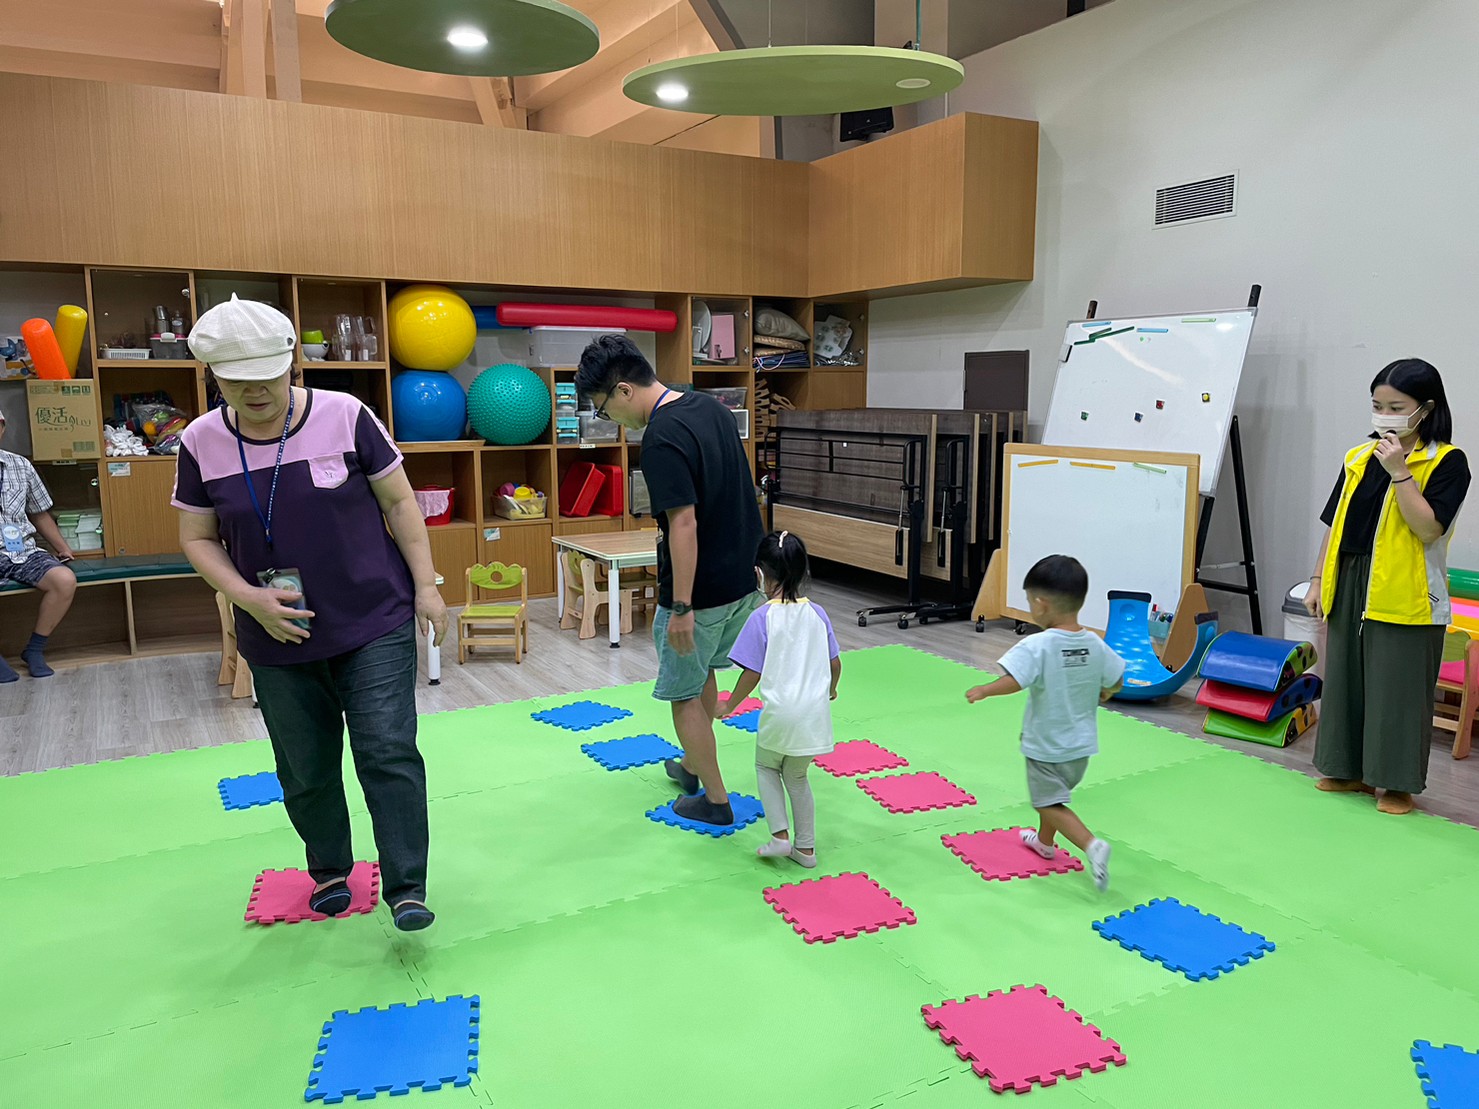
(788, 650)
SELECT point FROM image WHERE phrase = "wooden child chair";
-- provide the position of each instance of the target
(586, 594)
(503, 623)
(1458, 677)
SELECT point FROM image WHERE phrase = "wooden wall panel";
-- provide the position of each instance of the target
(302, 188)
(920, 210)
(279, 187)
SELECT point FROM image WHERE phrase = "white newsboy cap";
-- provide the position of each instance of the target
(244, 340)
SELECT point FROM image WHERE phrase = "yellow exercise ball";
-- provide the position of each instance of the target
(431, 328)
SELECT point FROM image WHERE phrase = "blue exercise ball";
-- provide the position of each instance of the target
(428, 407)
(509, 405)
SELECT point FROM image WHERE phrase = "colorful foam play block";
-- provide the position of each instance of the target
(1279, 732)
(1256, 661)
(1253, 704)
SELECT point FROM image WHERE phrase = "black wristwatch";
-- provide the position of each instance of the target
(681, 608)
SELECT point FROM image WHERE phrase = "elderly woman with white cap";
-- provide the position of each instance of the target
(287, 486)
(25, 510)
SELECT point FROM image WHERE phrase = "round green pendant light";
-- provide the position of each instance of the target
(472, 38)
(794, 80)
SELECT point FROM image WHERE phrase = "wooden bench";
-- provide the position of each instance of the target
(127, 607)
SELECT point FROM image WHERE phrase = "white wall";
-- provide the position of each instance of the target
(1352, 127)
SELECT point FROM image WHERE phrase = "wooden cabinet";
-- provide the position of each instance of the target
(137, 517)
(528, 545)
(454, 547)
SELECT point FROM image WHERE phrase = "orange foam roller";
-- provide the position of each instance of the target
(70, 328)
(46, 353)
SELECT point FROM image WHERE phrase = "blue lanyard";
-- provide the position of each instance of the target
(276, 469)
(658, 405)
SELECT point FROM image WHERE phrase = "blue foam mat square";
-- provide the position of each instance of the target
(633, 750)
(747, 810)
(745, 721)
(249, 790)
(1183, 938)
(1449, 1074)
(580, 716)
(428, 1044)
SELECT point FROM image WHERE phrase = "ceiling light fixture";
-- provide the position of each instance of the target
(670, 92)
(470, 38)
(467, 38)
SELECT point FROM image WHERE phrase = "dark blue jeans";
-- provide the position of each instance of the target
(372, 690)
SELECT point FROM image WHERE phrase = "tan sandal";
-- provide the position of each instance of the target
(1395, 802)
(1344, 785)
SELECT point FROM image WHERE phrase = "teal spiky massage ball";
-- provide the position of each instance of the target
(508, 405)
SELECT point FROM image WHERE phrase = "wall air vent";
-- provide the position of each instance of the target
(1211, 198)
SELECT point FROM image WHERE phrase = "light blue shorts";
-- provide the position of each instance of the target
(682, 677)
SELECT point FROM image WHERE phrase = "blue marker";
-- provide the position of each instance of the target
(1096, 323)
(1155, 330)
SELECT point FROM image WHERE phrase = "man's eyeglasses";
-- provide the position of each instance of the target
(601, 412)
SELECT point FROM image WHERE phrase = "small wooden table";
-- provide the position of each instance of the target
(615, 550)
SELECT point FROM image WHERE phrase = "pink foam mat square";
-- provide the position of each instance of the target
(838, 907)
(859, 756)
(1021, 1038)
(749, 704)
(1001, 854)
(281, 896)
(900, 793)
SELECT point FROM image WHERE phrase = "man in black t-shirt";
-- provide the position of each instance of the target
(704, 500)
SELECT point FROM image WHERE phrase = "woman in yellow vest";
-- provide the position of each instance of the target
(1382, 587)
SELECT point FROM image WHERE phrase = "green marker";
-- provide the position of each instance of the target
(1200, 319)
(1152, 469)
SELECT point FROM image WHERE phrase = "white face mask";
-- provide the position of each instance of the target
(1400, 424)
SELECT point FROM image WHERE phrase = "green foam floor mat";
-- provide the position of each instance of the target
(621, 962)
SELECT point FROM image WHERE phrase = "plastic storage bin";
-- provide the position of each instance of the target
(640, 499)
(511, 508)
(731, 396)
(566, 400)
(435, 502)
(595, 430)
(563, 346)
(579, 489)
(567, 429)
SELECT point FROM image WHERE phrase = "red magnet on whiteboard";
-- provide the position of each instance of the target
(1160, 404)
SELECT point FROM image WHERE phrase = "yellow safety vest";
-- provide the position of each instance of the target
(1409, 580)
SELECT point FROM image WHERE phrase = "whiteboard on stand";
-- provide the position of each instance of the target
(1151, 383)
(1129, 516)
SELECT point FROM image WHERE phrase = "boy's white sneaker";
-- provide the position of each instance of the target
(1098, 852)
(808, 859)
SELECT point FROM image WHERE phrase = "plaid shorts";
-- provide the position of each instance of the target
(30, 572)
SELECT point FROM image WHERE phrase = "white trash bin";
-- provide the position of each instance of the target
(1299, 625)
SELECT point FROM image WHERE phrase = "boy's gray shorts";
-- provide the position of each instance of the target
(1051, 783)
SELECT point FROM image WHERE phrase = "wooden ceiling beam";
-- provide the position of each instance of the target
(287, 71)
(495, 100)
(628, 27)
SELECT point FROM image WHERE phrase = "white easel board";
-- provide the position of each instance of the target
(1129, 516)
(1151, 383)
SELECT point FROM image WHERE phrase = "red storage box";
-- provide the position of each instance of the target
(610, 502)
(580, 488)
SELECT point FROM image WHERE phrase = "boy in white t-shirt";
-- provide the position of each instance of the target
(788, 649)
(1067, 671)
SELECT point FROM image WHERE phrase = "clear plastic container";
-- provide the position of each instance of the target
(596, 430)
(729, 396)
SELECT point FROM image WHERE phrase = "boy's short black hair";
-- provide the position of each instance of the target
(609, 360)
(1061, 577)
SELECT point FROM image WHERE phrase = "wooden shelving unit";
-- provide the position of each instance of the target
(133, 493)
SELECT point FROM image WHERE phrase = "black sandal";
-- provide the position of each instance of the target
(333, 899)
(412, 916)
